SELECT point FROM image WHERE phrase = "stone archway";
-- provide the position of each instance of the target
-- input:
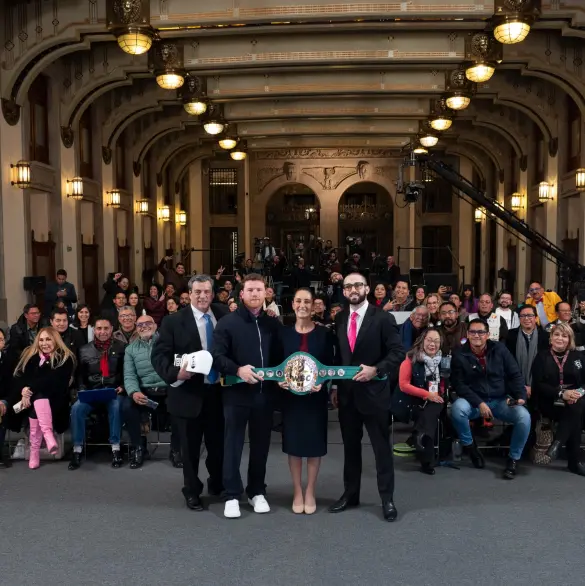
(365, 211)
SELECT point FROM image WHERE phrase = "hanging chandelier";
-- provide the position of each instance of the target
(168, 65)
(458, 89)
(482, 54)
(193, 95)
(513, 18)
(129, 21)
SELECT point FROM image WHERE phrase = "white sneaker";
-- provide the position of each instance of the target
(260, 504)
(232, 509)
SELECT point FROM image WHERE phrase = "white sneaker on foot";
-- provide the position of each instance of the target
(260, 504)
(232, 509)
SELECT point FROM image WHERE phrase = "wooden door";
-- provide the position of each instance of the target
(124, 260)
(149, 273)
(43, 265)
(89, 276)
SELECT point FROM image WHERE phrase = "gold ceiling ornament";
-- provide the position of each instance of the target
(513, 18)
(193, 94)
(167, 63)
(482, 54)
(129, 21)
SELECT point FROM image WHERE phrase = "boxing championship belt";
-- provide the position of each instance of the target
(302, 372)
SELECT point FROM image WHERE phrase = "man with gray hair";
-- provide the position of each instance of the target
(413, 327)
(194, 401)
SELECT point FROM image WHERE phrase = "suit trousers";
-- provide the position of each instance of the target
(209, 425)
(258, 418)
(352, 423)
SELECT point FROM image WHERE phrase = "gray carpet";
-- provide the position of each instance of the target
(117, 527)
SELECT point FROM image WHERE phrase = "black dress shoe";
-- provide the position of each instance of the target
(75, 461)
(390, 512)
(346, 501)
(475, 455)
(427, 468)
(117, 459)
(555, 449)
(194, 503)
(136, 458)
(175, 458)
(578, 468)
(510, 469)
(5, 463)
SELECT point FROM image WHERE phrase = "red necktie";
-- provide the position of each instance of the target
(352, 334)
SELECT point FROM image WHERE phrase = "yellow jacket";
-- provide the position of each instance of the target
(549, 300)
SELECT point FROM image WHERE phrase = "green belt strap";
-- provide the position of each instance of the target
(302, 371)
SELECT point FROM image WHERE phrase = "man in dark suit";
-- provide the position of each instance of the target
(193, 400)
(368, 338)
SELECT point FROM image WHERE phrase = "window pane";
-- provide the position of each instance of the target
(223, 191)
(40, 117)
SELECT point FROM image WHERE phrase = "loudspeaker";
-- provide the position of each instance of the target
(34, 283)
(416, 277)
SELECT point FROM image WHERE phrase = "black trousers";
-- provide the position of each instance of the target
(258, 418)
(209, 425)
(352, 423)
(570, 418)
(427, 423)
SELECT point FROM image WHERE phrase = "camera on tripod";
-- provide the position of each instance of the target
(413, 191)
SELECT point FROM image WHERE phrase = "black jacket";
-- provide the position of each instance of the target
(179, 335)
(378, 344)
(18, 340)
(6, 371)
(89, 374)
(512, 340)
(501, 377)
(240, 339)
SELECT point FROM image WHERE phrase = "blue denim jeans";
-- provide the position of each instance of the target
(462, 412)
(79, 413)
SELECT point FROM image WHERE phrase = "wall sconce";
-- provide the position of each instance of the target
(20, 174)
(516, 202)
(75, 188)
(478, 215)
(164, 214)
(181, 218)
(114, 198)
(544, 192)
(580, 179)
(141, 207)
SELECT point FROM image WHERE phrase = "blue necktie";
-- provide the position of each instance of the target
(213, 376)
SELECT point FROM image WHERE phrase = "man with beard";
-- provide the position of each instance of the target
(454, 332)
(369, 339)
(505, 310)
(402, 299)
(497, 324)
(176, 276)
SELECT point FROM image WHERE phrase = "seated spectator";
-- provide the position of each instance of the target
(170, 290)
(456, 301)
(172, 305)
(270, 305)
(117, 283)
(505, 310)
(70, 336)
(41, 381)
(140, 381)
(335, 290)
(82, 323)
(60, 290)
(23, 332)
(320, 314)
(176, 276)
(134, 301)
(469, 300)
(565, 316)
(432, 302)
(525, 342)
(101, 365)
(184, 299)
(222, 296)
(380, 296)
(453, 331)
(488, 383)
(120, 301)
(5, 389)
(558, 382)
(402, 299)
(232, 305)
(497, 324)
(127, 321)
(413, 327)
(545, 303)
(419, 296)
(155, 304)
(420, 377)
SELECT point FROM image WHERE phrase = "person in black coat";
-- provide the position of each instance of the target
(6, 370)
(243, 341)
(194, 401)
(488, 383)
(558, 383)
(304, 417)
(23, 332)
(367, 337)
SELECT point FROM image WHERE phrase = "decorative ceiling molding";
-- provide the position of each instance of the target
(325, 154)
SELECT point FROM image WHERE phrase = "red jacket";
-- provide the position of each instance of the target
(155, 308)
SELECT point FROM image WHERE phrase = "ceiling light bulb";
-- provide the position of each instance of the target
(420, 151)
(195, 108)
(480, 72)
(441, 123)
(135, 41)
(170, 81)
(458, 102)
(213, 127)
(228, 143)
(238, 155)
(428, 140)
(512, 31)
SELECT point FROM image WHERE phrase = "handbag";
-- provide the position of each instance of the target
(544, 438)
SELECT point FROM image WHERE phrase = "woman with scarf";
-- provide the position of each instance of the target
(558, 385)
(41, 389)
(420, 377)
(381, 295)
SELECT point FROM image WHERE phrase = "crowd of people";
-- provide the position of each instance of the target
(457, 359)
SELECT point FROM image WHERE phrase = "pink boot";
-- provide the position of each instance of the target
(43, 410)
(35, 440)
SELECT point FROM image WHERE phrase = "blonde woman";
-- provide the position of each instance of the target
(42, 377)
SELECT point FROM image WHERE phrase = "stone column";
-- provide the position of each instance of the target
(465, 225)
(138, 234)
(521, 248)
(246, 237)
(500, 233)
(195, 225)
(551, 219)
(109, 238)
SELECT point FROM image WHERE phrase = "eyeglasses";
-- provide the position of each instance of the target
(144, 326)
(350, 286)
(527, 316)
(477, 333)
(451, 312)
(435, 342)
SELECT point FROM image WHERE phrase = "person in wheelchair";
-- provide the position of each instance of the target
(558, 382)
(488, 383)
(101, 365)
(141, 381)
(421, 377)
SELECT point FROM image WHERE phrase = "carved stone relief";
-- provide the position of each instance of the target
(330, 177)
(307, 153)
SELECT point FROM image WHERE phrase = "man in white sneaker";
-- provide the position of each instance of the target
(505, 310)
(244, 343)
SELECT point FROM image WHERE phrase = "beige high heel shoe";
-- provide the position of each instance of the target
(310, 509)
(298, 509)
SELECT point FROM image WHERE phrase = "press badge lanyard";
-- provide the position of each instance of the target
(561, 365)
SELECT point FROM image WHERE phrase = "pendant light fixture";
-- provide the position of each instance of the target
(482, 54)
(193, 95)
(513, 18)
(129, 21)
(168, 65)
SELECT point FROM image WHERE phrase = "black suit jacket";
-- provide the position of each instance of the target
(378, 344)
(178, 334)
(512, 340)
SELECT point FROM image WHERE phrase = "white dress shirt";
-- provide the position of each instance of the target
(361, 314)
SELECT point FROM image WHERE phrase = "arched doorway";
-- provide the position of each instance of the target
(292, 218)
(366, 212)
